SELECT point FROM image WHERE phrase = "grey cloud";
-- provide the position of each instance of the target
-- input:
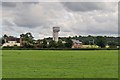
(78, 18)
(30, 2)
(5, 22)
(9, 4)
(22, 15)
(103, 28)
(87, 6)
(38, 15)
(13, 4)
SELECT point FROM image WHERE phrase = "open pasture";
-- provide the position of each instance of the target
(60, 63)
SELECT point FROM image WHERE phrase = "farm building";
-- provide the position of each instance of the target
(76, 44)
(12, 41)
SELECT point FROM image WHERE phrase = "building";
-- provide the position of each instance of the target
(12, 41)
(55, 33)
(76, 44)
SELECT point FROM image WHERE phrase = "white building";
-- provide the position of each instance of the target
(11, 43)
(76, 44)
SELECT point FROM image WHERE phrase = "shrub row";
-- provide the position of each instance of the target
(21, 48)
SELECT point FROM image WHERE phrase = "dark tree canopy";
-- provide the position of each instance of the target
(101, 41)
(44, 44)
(65, 42)
(68, 43)
(27, 39)
(52, 44)
(60, 44)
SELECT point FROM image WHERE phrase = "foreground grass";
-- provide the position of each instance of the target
(60, 64)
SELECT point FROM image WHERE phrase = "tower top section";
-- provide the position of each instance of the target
(56, 29)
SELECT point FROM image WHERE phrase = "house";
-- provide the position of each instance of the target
(76, 44)
(12, 41)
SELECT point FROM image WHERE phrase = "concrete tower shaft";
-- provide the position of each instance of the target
(55, 33)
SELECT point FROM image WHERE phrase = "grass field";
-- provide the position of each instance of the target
(60, 64)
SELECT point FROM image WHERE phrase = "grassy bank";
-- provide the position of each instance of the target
(60, 64)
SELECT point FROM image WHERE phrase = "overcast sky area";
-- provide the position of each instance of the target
(73, 18)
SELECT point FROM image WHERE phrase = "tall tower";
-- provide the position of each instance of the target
(21, 40)
(55, 33)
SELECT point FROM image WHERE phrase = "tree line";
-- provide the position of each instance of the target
(28, 41)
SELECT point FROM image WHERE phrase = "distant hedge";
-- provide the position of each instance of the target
(21, 48)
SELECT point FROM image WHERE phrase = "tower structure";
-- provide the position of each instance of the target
(55, 33)
(21, 40)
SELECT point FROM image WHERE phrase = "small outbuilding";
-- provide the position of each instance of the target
(76, 44)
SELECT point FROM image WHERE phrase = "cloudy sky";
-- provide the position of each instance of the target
(73, 18)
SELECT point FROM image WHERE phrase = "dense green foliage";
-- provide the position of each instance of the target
(2, 41)
(52, 44)
(68, 43)
(27, 40)
(113, 42)
(101, 41)
(60, 64)
(44, 44)
(60, 44)
(104, 40)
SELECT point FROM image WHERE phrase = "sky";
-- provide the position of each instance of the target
(73, 18)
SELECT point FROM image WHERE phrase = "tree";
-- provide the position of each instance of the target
(5, 37)
(60, 44)
(89, 36)
(27, 39)
(80, 36)
(39, 44)
(112, 44)
(68, 43)
(100, 41)
(52, 44)
(2, 41)
(44, 44)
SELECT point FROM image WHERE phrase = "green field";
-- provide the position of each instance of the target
(60, 63)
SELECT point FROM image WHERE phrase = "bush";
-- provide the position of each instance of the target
(21, 48)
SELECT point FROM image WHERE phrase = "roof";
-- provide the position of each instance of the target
(10, 38)
(76, 41)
